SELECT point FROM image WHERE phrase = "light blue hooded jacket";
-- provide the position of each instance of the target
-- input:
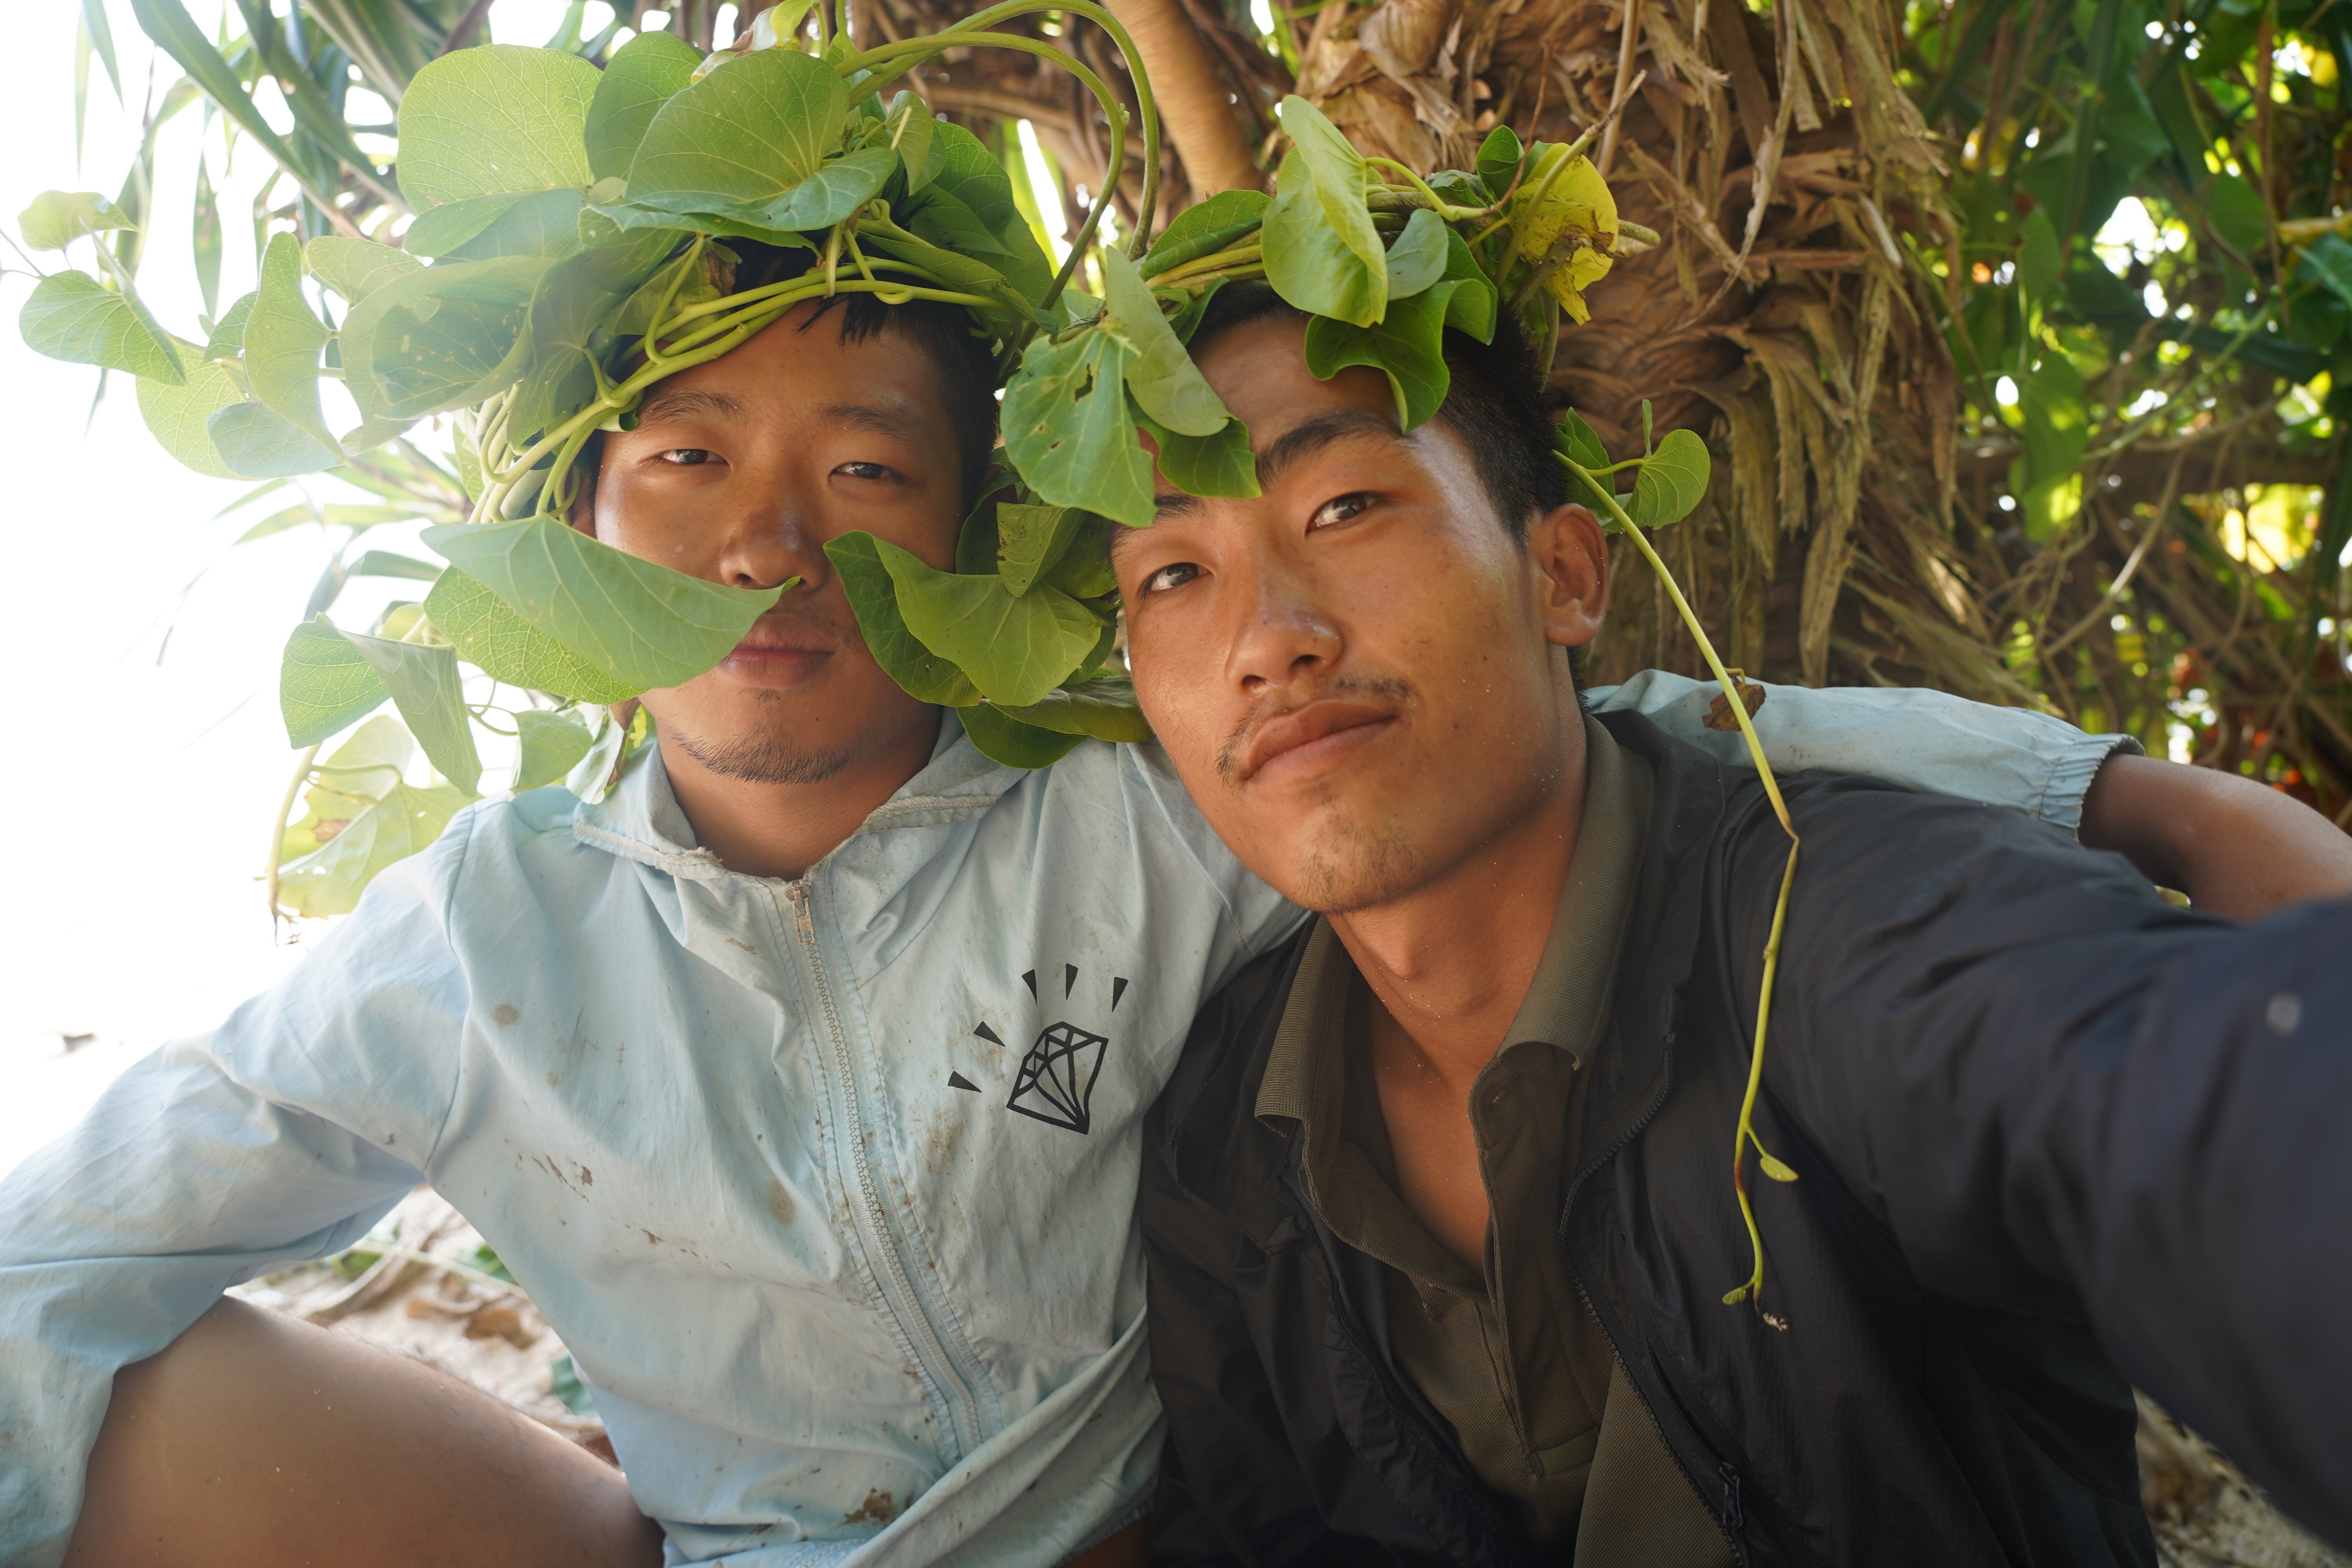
(827, 1184)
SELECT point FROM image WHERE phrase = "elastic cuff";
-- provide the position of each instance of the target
(2070, 779)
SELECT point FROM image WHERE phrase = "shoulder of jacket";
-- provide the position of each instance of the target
(1205, 1132)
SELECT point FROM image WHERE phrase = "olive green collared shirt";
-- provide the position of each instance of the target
(1510, 1356)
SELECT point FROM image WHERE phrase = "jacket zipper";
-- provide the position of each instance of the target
(1732, 1517)
(883, 1240)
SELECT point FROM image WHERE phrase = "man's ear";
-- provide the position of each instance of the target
(1566, 546)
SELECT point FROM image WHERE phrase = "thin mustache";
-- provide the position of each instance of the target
(1229, 756)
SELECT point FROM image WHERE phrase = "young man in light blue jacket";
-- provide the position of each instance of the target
(800, 1081)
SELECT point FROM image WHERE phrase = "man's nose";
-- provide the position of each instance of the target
(770, 539)
(1286, 632)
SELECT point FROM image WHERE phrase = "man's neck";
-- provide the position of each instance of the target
(1452, 961)
(781, 829)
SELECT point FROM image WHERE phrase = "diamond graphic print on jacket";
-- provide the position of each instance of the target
(1057, 1077)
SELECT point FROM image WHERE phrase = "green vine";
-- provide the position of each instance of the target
(1744, 1134)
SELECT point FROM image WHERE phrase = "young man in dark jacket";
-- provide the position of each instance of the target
(1438, 1209)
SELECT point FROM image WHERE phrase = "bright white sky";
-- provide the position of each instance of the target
(140, 789)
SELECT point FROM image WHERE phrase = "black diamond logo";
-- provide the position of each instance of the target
(1056, 1083)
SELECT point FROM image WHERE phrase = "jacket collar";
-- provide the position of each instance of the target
(641, 820)
(1224, 1153)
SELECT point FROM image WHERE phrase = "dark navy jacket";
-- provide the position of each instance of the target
(2055, 1138)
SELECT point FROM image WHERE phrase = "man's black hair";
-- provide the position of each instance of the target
(1494, 401)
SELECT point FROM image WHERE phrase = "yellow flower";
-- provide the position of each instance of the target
(1567, 282)
(1563, 196)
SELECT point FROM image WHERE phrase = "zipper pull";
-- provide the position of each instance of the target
(1731, 1510)
(799, 894)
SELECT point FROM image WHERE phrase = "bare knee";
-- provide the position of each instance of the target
(257, 1439)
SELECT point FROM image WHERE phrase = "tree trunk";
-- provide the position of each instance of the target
(1192, 98)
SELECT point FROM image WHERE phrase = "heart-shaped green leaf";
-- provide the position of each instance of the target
(1309, 263)
(537, 223)
(1015, 649)
(1322, 253)
(873, 599)
(914, 135)
(1162, 374)
(1067, 427)
(228, 339)
(1673, 480)
(355, 267)
(256, 442)
(742, 136)
(423, 680)
(1409, 346)
(452, 224)
(1205, 228)
(836, 190)
(1102, 706)
(1417, 259)
(496, 118)
(1498, 159)
(1218, 465)
(550, 744)
(642, 623)
(56, 218)
(492, 637)
(73, 317)
(324, 684)
(644, 74)
(1338, 176)
(176, 416)
(441, 338)
(1582, 443)
(1006, 740)
(576, 298)
(1470, 308)
(1030, 540)
(330, 880)
(282, 340)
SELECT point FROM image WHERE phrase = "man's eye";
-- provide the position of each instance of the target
(863, 470)
(687, 457)
(1340, 509)
(1168, 577)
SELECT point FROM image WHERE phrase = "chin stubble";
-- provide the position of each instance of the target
(1353, 867)
(767, 758)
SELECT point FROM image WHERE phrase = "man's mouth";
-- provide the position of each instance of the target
(773, 646)
(1305, 739)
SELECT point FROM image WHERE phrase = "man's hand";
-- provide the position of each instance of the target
(2234, 847)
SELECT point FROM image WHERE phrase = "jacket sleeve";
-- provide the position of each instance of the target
(285, 1134)
(2068, 1098)
(1916, 739)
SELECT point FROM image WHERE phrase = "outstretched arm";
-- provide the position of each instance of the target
(2065, 1097)
(2234, 847)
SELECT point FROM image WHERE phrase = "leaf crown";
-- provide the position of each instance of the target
(578, 225)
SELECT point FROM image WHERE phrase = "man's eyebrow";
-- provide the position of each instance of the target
(685, 402)
(902, 424)
(1339, 425)
(1314, 435)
